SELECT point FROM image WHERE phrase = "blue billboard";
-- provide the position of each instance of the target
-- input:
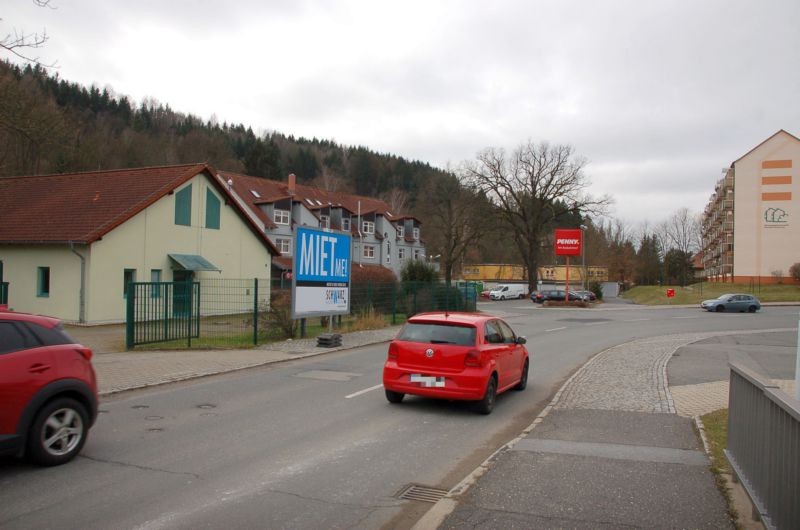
(321, 278)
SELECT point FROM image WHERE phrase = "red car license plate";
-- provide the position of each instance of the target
(428, 380)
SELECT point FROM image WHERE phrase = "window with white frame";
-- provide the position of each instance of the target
(401, 231)
(346, 224)
(369, 251)
(368, 227)
(401, 253)
(418, 254)
(416, 233)
(281, 217)
(324, 221)
(284, 245)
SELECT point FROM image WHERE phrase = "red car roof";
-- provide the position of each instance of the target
(47, 322)
(452, 317)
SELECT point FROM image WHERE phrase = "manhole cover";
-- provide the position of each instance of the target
(155, 429)
(140, 407)
(154, 418)
(327, 375)
(417, 492)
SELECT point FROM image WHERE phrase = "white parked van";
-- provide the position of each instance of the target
(508, 291)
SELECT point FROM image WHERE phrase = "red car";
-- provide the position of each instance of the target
(458, 356)
(48, 390)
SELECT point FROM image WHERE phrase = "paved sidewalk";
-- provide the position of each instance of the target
(613, 449)
(117, 372)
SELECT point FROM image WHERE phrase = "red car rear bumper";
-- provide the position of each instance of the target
(469, 384)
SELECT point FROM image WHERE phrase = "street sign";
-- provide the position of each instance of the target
(321, 273)
(568, 241)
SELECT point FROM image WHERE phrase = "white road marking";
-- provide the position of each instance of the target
(556, 329)
(597, 323)
(677, 318)
(637, 320)
(370, 389)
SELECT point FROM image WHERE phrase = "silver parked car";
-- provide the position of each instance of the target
(732, 302)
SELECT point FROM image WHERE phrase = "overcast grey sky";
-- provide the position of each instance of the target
(659, 96)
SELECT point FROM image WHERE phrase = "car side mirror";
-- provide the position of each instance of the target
(521, 340)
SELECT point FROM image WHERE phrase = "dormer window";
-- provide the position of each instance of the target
(281, 217)
(324, 221)
(401, 231)
(416, 234)
(368, 227)
(346, 224)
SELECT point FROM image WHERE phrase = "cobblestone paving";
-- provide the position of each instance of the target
(629, 377)
(632, 377)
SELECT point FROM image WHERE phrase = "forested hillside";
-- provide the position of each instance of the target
(50, 125)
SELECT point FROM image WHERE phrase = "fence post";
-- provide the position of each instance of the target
(129, 316)
(414, 289)
(369, 295)
(255, 311)
(302, 328)
(394, 303)
(190, 307)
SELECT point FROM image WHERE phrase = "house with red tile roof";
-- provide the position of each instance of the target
(380, 237)
(70, 243)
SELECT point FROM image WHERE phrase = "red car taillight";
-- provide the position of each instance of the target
(86, 353)
(393, 351)
(473, 359)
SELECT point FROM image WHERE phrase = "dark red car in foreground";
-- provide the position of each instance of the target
(48, 390)
(458, 356)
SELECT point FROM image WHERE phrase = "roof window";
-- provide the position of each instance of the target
(255, 194)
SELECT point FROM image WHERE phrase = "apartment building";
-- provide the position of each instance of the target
(380, 237)
(751, 224)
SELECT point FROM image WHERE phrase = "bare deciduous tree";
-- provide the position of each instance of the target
(458, 219)
(20, 43)
(531, 188)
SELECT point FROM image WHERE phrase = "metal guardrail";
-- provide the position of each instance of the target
(764, 446)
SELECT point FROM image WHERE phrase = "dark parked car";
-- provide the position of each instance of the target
(48, 390)
(588, 296)
(557, 295)
(732, 302)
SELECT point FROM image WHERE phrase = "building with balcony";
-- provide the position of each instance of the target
(380, 237)
(751, 224)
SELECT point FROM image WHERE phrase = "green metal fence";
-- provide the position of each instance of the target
(3, 293)
(236, 313)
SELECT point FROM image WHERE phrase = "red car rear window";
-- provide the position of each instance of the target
(437, 334)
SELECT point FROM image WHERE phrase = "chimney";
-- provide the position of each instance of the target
(292, 180)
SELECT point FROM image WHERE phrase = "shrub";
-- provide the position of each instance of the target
(778, 275)
(597, 289)
(416, 270)
(794, 271)
(277, 316)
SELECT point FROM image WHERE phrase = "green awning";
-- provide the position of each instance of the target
(192, 262)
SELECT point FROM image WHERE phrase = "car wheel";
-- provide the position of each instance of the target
(394, 397)
(486, 405)
(523, 382)
(58, 432)
(752, 309)
(720, 308)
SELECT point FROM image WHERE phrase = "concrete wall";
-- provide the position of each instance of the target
(20, 269)
(766, 211)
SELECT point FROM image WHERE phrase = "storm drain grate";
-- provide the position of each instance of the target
(417, 492)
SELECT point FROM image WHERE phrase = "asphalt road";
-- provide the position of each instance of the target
(313, 443)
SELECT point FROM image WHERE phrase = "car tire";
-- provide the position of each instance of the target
(58, 432)
(394, 397)
(720, 308)
(523, 382)
(486, 405)
(752, 309)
